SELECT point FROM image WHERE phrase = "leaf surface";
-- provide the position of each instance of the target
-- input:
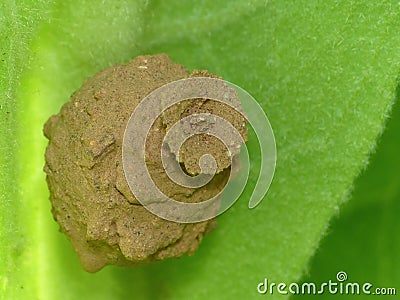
(325, 73)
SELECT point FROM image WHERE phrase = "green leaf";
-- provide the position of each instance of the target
(364, 240)
(325, 73)
(18, 24)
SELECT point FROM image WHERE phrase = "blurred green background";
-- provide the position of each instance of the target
(326, 74)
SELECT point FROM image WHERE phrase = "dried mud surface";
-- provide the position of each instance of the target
(91, 200)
